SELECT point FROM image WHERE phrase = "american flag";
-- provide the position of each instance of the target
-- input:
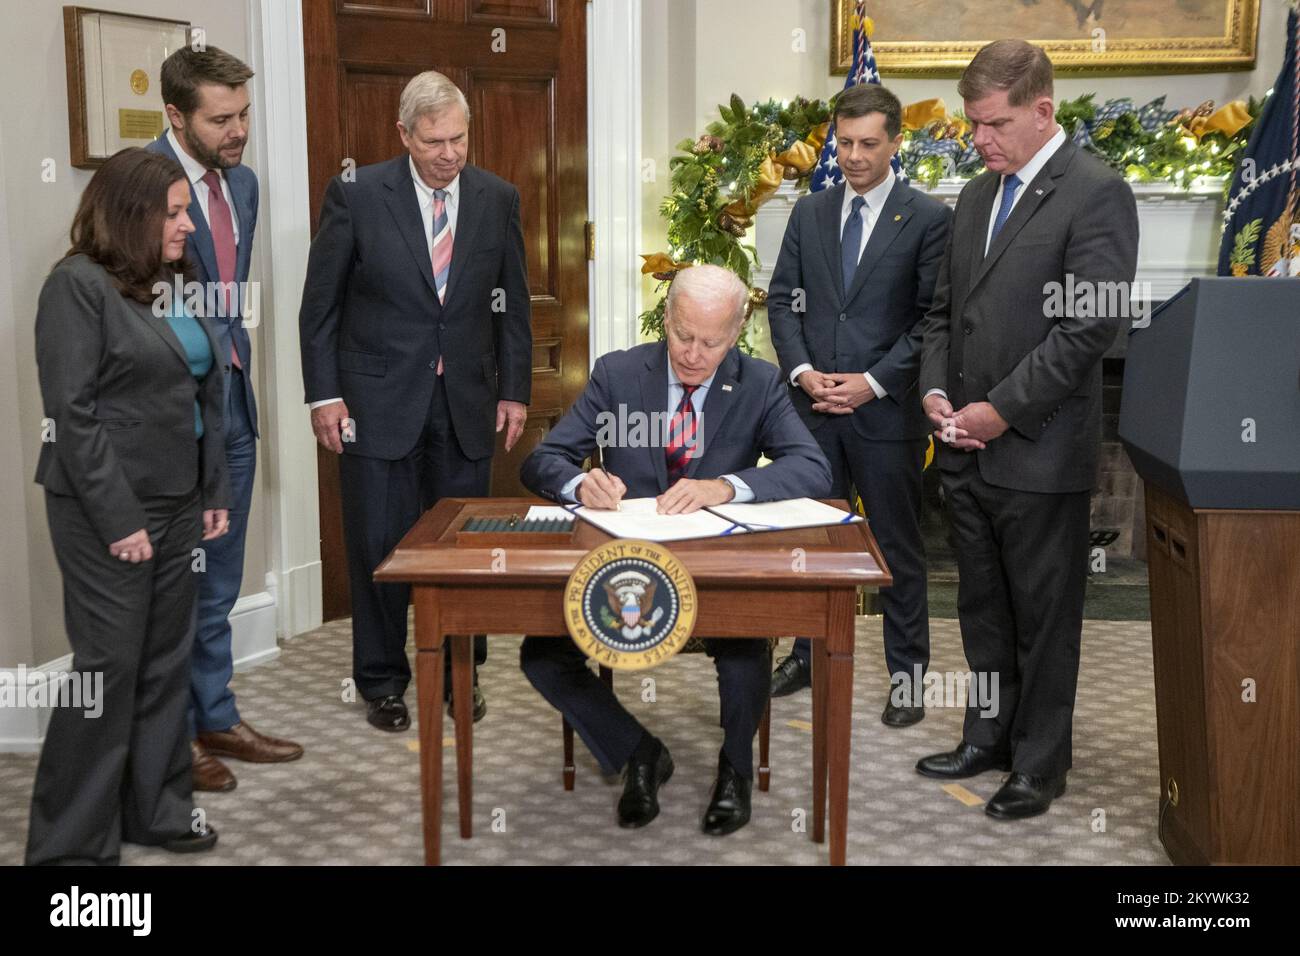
(863, 70)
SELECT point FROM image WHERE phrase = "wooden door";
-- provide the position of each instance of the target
(522, 66)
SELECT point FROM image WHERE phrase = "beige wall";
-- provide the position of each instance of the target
(696, 53)
(34, 220)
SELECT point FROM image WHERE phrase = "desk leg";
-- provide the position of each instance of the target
(839, 724)
(462, 697)
(428, 685)
(819, 675)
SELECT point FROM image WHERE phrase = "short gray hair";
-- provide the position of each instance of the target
(703, 283)
(428, 94)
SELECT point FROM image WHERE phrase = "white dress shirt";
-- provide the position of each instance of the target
(742, 491)
(194, 172)
(1025, 174)
(424, 196)
(870, 212)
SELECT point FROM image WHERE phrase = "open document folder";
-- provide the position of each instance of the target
(637, 518)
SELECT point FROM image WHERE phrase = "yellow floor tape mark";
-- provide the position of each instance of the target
(799, 724)
(959, 792)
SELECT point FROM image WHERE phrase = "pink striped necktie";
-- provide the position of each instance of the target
(441, 248)
(222, 226)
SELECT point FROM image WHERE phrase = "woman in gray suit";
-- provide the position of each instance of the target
(134, 476)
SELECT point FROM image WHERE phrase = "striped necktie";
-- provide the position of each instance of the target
(441, 243)
(681, 436)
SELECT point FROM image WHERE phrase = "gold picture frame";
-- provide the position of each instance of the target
(113, 60)
(1221, 34)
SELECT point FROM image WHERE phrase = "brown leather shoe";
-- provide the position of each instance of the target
(242, 742)
(209, 772)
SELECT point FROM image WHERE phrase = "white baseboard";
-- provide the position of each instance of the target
(252, 625)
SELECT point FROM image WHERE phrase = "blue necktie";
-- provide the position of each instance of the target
(851, 241)
(1009, 187)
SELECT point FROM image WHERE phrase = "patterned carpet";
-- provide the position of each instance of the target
(354, 797)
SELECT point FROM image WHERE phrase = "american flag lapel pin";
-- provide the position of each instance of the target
(1038, 192)
(726, 388)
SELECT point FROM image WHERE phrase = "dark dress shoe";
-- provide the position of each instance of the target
(641, 782)
(242, 742)
(388, 713)
(895, 716)
(207, 772)
(480, 705)
(204, 839)
(728, 809)
(966, 761)
(790, 676)
(1024, 795)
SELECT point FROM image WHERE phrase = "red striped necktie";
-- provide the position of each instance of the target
(681, 436)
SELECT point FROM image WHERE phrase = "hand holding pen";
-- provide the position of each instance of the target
(600, 489)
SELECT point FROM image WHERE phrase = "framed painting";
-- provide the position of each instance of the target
(113, 60)
(1083, 37)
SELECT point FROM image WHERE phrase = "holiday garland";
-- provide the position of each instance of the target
(719, 180)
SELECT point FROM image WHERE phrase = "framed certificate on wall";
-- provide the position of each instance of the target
(113, 60)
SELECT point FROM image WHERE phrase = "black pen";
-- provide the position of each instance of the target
(600, 463)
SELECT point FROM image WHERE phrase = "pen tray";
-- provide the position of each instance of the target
(506, 537)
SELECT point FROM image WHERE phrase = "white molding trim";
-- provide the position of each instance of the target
(22, 729)
(283, 240)
(253, 628)
(252, 640)
(614, 167)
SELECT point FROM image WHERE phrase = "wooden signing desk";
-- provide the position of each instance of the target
(772, 584)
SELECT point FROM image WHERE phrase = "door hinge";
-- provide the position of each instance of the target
(590, 231)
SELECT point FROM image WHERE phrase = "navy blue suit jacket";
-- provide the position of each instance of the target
(874, 325)
(202, 255)
(747, 413)
(372, 328)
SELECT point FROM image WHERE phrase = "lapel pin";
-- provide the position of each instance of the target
(726, 388)
(1038, 192)
(897, 216)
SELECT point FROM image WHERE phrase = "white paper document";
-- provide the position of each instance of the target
(637, 518)
(547, 513)
(784, 515)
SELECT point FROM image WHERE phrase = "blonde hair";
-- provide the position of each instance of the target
(428, 94)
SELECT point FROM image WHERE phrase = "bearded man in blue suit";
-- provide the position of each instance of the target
(207, 103)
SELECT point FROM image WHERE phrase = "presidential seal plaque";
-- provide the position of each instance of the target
(630, 604)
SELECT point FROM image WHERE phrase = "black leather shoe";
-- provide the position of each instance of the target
(966, 761)
(1024, 795)
(901, 716)
(728, 808)
(204, 839)
(641, 782)
(388, 713)
(480, 705)
(790, 676)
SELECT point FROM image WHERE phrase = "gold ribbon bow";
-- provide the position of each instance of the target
(922, 114)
